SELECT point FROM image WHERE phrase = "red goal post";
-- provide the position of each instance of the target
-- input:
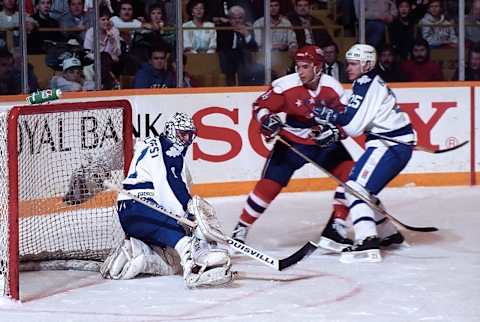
(53, 160)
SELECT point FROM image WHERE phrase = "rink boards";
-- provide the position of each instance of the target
(228, 155)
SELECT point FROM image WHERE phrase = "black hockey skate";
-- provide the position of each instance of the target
(240, 232)
(367, 250)
(393, 240)
(334, 236)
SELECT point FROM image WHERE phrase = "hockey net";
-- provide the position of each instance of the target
(53, 206)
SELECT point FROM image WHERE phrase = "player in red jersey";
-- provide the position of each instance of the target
(295, 96)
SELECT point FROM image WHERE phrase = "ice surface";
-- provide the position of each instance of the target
(436, 279)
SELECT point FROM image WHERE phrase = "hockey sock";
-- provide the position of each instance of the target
(363, 217)
(258, 200)
(340, 210)
(342, 171)
(363, 221)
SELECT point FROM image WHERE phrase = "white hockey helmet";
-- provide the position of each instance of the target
(363, 53)
(180, 129)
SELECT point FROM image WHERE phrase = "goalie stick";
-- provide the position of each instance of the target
(418, 147)
(278, 264)
(354, 192)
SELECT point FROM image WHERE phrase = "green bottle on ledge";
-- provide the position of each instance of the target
(46, 95)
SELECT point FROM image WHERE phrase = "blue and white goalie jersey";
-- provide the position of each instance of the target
(372, 108)
(157, 172)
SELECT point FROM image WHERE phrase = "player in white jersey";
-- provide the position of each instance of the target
(155, 175)
(372, 108)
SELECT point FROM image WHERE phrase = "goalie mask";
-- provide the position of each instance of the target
(180, 130)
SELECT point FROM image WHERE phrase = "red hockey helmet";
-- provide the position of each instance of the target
(311, 54)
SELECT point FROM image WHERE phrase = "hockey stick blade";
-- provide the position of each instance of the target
(444, 150)
(240, 247)
(418, 147)
(300, 254)
(278, 264)
(349, 189)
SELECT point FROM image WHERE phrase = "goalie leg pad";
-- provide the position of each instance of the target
(208, 224)
(133, 258)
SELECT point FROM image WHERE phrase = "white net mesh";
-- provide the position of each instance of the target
(3, 205)
(64, 211)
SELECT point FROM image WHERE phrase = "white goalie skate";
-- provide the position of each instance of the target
(204, 264)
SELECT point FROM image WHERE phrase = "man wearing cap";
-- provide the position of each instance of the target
(72, 78)
(296, 95)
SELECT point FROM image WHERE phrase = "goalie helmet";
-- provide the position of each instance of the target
(363, 53)
(180, 129)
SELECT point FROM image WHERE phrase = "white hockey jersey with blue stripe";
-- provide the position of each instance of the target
(372, 108)
(156, 172)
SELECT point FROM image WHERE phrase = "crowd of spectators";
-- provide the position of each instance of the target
(138, 40)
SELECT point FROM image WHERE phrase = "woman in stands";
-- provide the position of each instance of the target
(200, 40)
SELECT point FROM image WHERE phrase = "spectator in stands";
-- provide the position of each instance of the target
(332, 66)
(218, 9)
(155, 73)
(8, 84)
(472, 70)
(436, 29)
(17, 72)
(72, 78)
(420, 68)
(43, 20)
(378, 15)
(202, 40)
(109, 36)
(387, 66)
(9, 19)
(472, 23)
(402, 29)
(283, 37)
(156, 32)
(169, 10)
(308, 29)
(235, 46)
(9, 14)
(59, 9)
(346, 16)
(76, 18)
(125, 18)
(138, 8)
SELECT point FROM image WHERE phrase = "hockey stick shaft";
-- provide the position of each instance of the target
(240, 247)
(354, 192)
(417, 147)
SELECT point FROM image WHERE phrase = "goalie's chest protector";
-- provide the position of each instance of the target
(156, 172)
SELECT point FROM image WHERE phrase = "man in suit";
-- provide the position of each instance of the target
(332, 66)
(234, 46)
(313, 31)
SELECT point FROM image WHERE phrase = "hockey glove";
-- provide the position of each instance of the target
(323, 115)
(270, 126)
(326, 135)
